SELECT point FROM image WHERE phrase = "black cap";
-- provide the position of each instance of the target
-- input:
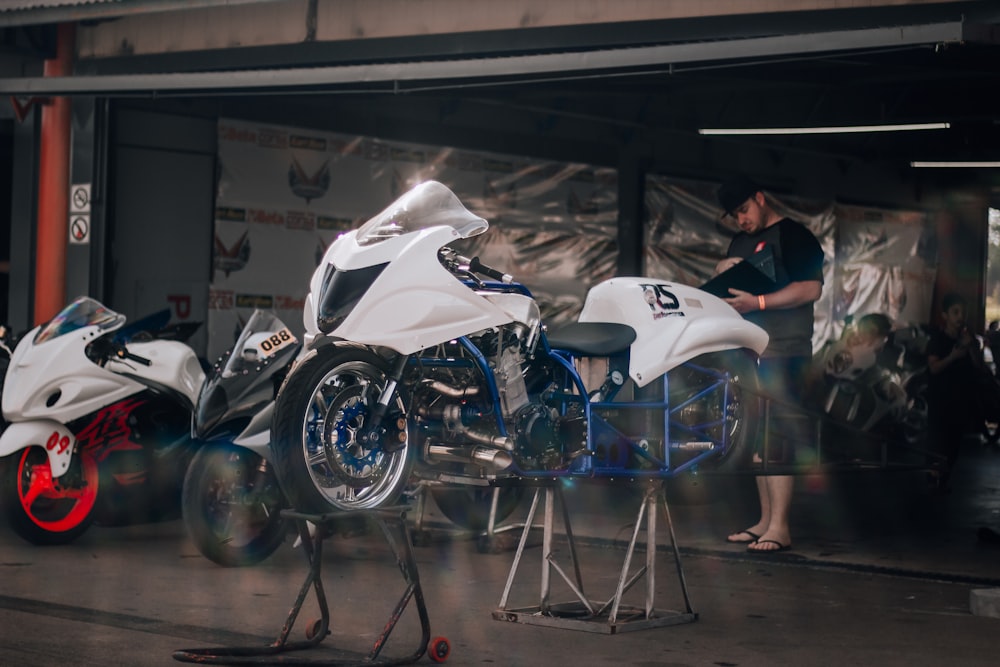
(736, 190)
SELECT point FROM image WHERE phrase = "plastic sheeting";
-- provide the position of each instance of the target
(285, 193)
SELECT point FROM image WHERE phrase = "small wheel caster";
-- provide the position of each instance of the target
(438, 649)
(314, 628)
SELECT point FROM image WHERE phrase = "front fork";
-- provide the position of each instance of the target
(372, 434)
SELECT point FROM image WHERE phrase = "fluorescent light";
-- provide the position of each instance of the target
(966, 165)
(845, 129)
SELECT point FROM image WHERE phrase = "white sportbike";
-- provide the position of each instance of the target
(421, 363)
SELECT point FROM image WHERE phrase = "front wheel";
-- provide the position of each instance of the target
(232, 505)
(330, 455)
(45, 510)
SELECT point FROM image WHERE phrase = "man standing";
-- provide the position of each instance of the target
(787, 315)
(961, 392)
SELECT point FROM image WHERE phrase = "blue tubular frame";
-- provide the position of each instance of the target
(491, 384)
(588, 464)
(478, 361)
(599, 426)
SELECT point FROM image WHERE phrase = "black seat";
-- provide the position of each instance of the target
(592, 339)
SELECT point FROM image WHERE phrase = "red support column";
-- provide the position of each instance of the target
(53, 188)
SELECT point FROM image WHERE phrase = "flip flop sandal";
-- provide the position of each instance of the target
(753, 535)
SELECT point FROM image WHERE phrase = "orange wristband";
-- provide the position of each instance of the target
(760, 301)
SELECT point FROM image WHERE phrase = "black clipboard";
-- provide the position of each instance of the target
(743, 276)
(763, 261)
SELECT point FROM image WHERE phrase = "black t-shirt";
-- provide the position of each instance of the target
(798, 257)
(957, 378)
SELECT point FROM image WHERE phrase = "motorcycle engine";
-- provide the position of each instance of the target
(457, 418)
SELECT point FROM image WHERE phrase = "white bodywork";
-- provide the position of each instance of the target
(416, 303)
(673, 323)
(52, 383)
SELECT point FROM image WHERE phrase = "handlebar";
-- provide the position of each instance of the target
(106, 348)
(459, 264)
(478, 267)
(123, 353)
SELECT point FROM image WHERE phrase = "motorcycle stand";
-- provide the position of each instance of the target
(612, 616)
(392, 522)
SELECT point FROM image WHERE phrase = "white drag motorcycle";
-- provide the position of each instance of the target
(99, 424)
(416, 366)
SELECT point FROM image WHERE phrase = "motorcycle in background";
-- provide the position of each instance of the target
(874, 379)
(419, 362)
(908, 346)
(99, 423)
(231, 498)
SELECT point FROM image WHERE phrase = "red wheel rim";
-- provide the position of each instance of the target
(45, 501)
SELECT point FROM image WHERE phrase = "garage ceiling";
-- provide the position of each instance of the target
(593, 92)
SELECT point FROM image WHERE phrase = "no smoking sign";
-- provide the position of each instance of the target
(79, 213)
(79, 228)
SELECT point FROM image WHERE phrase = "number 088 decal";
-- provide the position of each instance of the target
(274, 342)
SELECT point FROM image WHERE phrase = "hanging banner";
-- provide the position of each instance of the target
(285, 193)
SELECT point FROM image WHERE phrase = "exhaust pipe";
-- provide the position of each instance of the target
(497, 459)
(453, 392)
(450, 418)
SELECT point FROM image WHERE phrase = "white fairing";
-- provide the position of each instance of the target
(387, 286)
(59, 366)
(52, 383)
(58, 441)
(673, 323)
(175, 365)
(415, 303)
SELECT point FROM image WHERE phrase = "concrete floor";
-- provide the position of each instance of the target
(880, 574)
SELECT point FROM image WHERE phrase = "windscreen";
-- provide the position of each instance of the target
(83, 312)
(429, 204)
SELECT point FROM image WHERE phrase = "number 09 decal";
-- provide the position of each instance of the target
(57, 442)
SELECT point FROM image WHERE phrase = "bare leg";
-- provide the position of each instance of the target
(764, 522)
(778, 490)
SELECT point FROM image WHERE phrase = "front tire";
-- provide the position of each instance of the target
(325, 464)
(232, 507)
(47, 511)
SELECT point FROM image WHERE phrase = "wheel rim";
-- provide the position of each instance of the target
(709, 405)
(349, 472)
(237, 514)
(49, 504)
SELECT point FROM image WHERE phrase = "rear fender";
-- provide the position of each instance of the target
(58, 441)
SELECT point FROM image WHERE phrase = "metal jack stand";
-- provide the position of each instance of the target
(392, 522)
(612, 616)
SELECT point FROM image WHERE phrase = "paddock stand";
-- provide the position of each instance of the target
(392, 522)
(612, 616)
